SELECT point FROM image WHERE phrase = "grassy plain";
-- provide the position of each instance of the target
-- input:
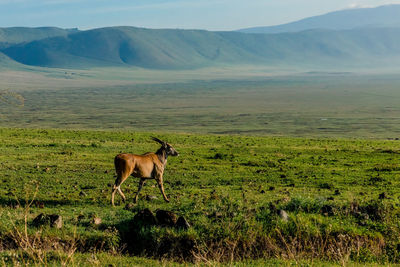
(256, 102)
(251, 145)
(230, 189)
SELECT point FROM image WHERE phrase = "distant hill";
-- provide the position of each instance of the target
(164, 49)
(383, 16)
(16, 35)
(182, 49)
(7, 64)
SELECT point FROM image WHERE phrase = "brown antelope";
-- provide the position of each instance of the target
(147, 166)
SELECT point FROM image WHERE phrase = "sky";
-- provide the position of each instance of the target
(182, 14)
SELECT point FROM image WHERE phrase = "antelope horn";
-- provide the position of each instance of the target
(158, 140)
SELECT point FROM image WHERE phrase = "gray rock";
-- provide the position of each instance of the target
(53, 220)
(56, 221)
(145, 218)
(39, 220)
(182, 223)
(284, 215)
(166, 218)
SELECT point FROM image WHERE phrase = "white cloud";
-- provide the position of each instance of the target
(357, 5)
(370, 3)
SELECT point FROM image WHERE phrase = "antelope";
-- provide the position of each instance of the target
(147, 166)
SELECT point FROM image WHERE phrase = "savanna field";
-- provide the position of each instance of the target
(288, 134)
(248, 200)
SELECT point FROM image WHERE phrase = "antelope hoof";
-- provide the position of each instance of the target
(166, 200)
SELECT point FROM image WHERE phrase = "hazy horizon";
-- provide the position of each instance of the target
(190, 14)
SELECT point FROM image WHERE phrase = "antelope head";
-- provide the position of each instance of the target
(170, 151)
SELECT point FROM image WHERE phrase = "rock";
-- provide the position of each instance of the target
(374, 211)
(283, 214)
(166, 218)
(150, 198)
(39, 220)
(53, 220)
(182, 223)
(56, 221)
(96, 221)
(145, 217)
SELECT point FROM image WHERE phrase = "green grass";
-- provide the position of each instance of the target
(250, 146)
(228, 187)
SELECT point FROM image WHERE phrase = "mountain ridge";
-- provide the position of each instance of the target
(343, 39)
(15, 35)
(381, 16)
(184, 49)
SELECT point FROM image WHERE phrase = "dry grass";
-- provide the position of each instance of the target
(35, 249)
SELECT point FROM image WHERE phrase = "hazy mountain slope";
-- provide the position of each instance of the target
(171, 49)
(8, 64)
(15, 35)
(383, 16)
(4, 60)
(129, 45)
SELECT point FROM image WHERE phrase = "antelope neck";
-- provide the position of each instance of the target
(162, 155)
